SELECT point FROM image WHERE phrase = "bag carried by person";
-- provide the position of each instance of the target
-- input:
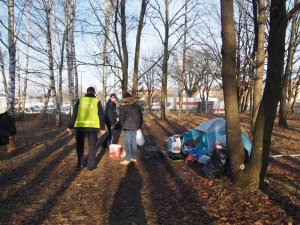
(140, 140)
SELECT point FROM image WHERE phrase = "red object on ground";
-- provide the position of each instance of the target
(115, 150)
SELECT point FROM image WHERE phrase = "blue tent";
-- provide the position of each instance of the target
(202, 137)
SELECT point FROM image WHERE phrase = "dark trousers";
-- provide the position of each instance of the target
(92, 140)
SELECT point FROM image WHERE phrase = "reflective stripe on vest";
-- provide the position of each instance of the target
(87, 113)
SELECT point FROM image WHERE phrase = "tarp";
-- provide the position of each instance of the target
(202, 137)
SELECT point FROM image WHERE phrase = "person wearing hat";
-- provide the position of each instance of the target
(87, 119)
(131, 119)
(110, 118)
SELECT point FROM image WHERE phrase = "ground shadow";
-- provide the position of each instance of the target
(127, 207)
(177, 199)
(33, 190)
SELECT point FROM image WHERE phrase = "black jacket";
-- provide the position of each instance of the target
(7, 125)
(75, 113)
(111, 113)
(131, 116)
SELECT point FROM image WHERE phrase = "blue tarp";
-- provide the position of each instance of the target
(202, 137)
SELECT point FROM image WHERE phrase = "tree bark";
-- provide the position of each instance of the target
(12, 59)
(27, 57)
(3, 75)
(233, 129)
(137, 48)
(258, 83)
(255, 172)
(124, 48)
(164, 90)
(51, 64)
(288, 72)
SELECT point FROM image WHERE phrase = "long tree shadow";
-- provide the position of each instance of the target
(6, 178)
(26, 148)
(31, 192)
(127, 207)
(169, 192)
(285, 203)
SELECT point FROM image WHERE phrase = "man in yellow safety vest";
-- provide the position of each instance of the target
(87, 119)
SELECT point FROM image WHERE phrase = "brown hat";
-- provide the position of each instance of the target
(127, 95)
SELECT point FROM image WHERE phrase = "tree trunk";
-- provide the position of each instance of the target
(295, 94)
(3, 75)
(107, 13)
(27, 58)
(51, 65)
(288, 73)
(137, 48)
(258, 83)
(19, 84)
(164, 90)
(73, 54)
(233, 129)
(12, 59)
(255, 172)
(12, 69)
(124, 48)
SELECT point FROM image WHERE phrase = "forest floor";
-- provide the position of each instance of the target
(39, 182)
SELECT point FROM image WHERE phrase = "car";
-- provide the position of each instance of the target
(66, 111)
(33, 110)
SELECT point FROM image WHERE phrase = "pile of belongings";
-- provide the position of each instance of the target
(206, 144)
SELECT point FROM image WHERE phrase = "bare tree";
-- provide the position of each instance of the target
(47, 8)
(258, 83)
(233, 129)
(3, 74)
(288, 72)
(137, 47)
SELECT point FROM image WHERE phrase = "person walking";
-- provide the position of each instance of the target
(110, 118)
(87, 119)
(131, 119)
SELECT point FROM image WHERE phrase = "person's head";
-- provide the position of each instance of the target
(91, 90)
(127, 95)
(127, 98)
(113, 97)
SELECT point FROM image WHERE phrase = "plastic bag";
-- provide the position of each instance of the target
(140, 140)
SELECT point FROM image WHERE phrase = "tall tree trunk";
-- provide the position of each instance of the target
(73, 53)
(107, 13)
(19, 83)
(27, 58)
(12, 70)
(69, 55)
(288, 73)
(12, 59)
(124, 48)
(184, 57)
(3, 75)
(258, 83)
(164, 91)
(255, 172)
(137, 48)
(51, 64)
(295, 94)
(62, 49)
(233, 129)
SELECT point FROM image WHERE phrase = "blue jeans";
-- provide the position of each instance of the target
(130, 144)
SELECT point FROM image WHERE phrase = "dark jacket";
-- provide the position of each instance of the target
(111, 113)
(130, 114)
(7, 125)
(75, 112)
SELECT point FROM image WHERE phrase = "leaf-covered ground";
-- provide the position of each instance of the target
(39, 183)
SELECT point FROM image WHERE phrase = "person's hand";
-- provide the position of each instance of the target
(70, 130)
(102, 132)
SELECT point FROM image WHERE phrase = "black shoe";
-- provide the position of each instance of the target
(79, 166)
